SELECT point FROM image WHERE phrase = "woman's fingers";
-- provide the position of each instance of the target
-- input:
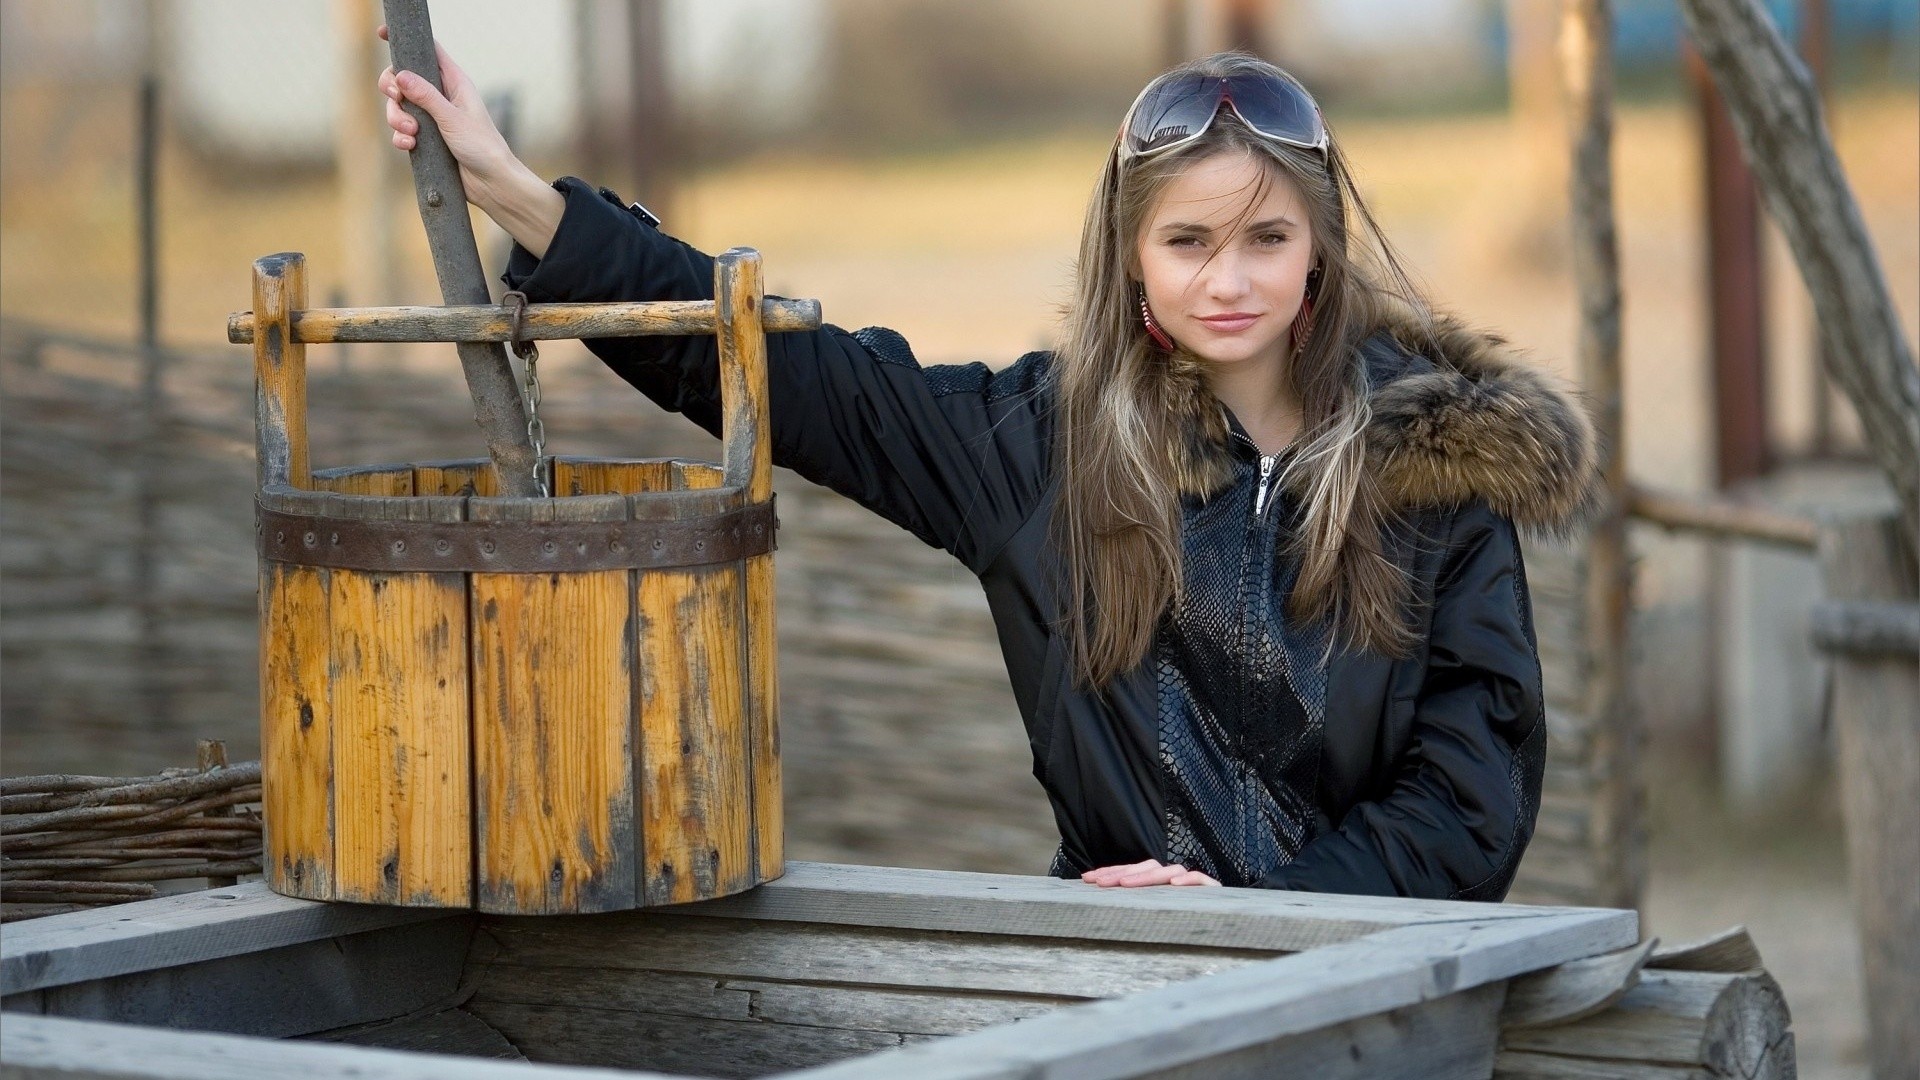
(1107, 876)
(1153, 875)
(1193, 877)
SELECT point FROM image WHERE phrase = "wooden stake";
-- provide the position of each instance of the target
(497, 405)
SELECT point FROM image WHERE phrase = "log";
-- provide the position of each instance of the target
(1574, 990)
(1674, 1025)
(1777, 114)
(544, 322)
(497, 405)
(1867, 628)
(144, 790)
(1719, 518)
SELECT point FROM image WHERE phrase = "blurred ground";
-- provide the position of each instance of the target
(966, 252)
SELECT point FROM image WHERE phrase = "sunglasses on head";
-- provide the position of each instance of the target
(1178, 109)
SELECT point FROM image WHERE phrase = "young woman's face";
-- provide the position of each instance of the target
(1227, 292)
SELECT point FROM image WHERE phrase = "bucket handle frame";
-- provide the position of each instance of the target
(280, 327)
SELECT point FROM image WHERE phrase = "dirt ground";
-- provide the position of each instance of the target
(967, 251)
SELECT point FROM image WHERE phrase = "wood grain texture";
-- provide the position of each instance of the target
(1576, 989)
(170, 931)
(544, 322)
(1451, 1038)
(553, 725)
(1727, 1024)
(643, 943)
(50, 1046)
(611, 476)
(738, 290)
(696, 818)
(763, 720)
(402, 744)
(468, 477)
(698, 1046)
(296, 730)
(280, 372)
(387, 480)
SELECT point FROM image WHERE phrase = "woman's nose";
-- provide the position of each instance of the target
(1226, 278)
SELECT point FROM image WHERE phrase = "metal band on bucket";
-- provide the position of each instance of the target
(498, 547)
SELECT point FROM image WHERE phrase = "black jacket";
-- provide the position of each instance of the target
(1423, 774)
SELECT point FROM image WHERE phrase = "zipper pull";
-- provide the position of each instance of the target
(1260, 493)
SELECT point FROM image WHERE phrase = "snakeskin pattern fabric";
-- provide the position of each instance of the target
(1241, 691)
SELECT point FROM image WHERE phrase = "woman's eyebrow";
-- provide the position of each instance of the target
(1189, 227)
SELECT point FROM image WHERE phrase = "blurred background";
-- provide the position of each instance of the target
(923, 166)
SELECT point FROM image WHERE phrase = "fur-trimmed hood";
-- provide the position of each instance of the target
(1457, 414)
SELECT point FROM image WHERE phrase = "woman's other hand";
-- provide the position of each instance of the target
(1150, 872)
(495, 180)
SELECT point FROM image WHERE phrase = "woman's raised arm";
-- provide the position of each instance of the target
(497, 182)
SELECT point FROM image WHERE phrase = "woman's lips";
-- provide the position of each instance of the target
(1227, 324)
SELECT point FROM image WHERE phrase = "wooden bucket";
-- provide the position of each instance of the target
(518, 705)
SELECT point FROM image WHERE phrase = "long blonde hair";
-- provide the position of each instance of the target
(1136, 429)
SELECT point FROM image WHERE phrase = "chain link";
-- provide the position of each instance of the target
(536, 430)
(528, 352)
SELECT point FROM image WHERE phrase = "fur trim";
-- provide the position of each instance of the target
(1474, 421)
(1482, 422)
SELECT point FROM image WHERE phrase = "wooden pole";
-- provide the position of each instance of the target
(1736, 290)
(497, 405)
(1876, 711)
(1586, 38)
(149, 451)
(1776, 112)
(653, 145)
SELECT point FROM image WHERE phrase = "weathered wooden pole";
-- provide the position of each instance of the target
(1867, 627)
(1776, 112)
(1586, 38)
(497, 406)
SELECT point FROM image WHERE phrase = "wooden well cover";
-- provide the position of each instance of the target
(520, 705)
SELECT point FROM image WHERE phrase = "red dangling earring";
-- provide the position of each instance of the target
(1158, 335)
(1303, 321)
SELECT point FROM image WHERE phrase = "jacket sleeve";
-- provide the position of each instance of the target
(1463, 801)
(946, 452)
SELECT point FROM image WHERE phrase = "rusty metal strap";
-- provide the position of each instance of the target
(512, 547)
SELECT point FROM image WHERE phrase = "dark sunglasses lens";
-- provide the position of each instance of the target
(1172, 111)
(1276, 107)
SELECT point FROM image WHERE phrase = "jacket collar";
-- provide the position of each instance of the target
(1457, 415)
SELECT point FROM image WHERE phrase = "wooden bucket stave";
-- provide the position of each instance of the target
(531, 740)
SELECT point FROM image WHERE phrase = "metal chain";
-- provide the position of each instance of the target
(529, 353)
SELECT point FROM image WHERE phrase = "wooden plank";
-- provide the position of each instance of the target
(544, 322)
(864, 956)
(611, 476)
(296, 730)
(449, 1031)
(1254, 1004)
(280, 372)
(470, 477)
(292, 990)
(553, 721)
(1451, 1038)
(49, 1046)
(921, 1012)
(391, 480)
(173, 930)
(700, 1046)
(696, 814)
(402, 747)
(1051, 907)
(662, 992)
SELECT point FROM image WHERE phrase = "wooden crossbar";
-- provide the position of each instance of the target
(544, 322)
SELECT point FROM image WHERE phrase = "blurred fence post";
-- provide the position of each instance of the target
(1870, 626)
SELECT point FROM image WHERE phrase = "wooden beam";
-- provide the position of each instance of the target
(544, 322)
(173, 930)
(49, 1046)
(1722, 519)
(1889, 628)
(1257, 1004)
(1052, 907)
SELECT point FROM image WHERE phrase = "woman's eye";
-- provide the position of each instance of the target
(1183, 241)
(1273, 238)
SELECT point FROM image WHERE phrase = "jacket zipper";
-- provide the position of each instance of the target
(1260, 492)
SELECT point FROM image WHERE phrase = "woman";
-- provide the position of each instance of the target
(1248, 534)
